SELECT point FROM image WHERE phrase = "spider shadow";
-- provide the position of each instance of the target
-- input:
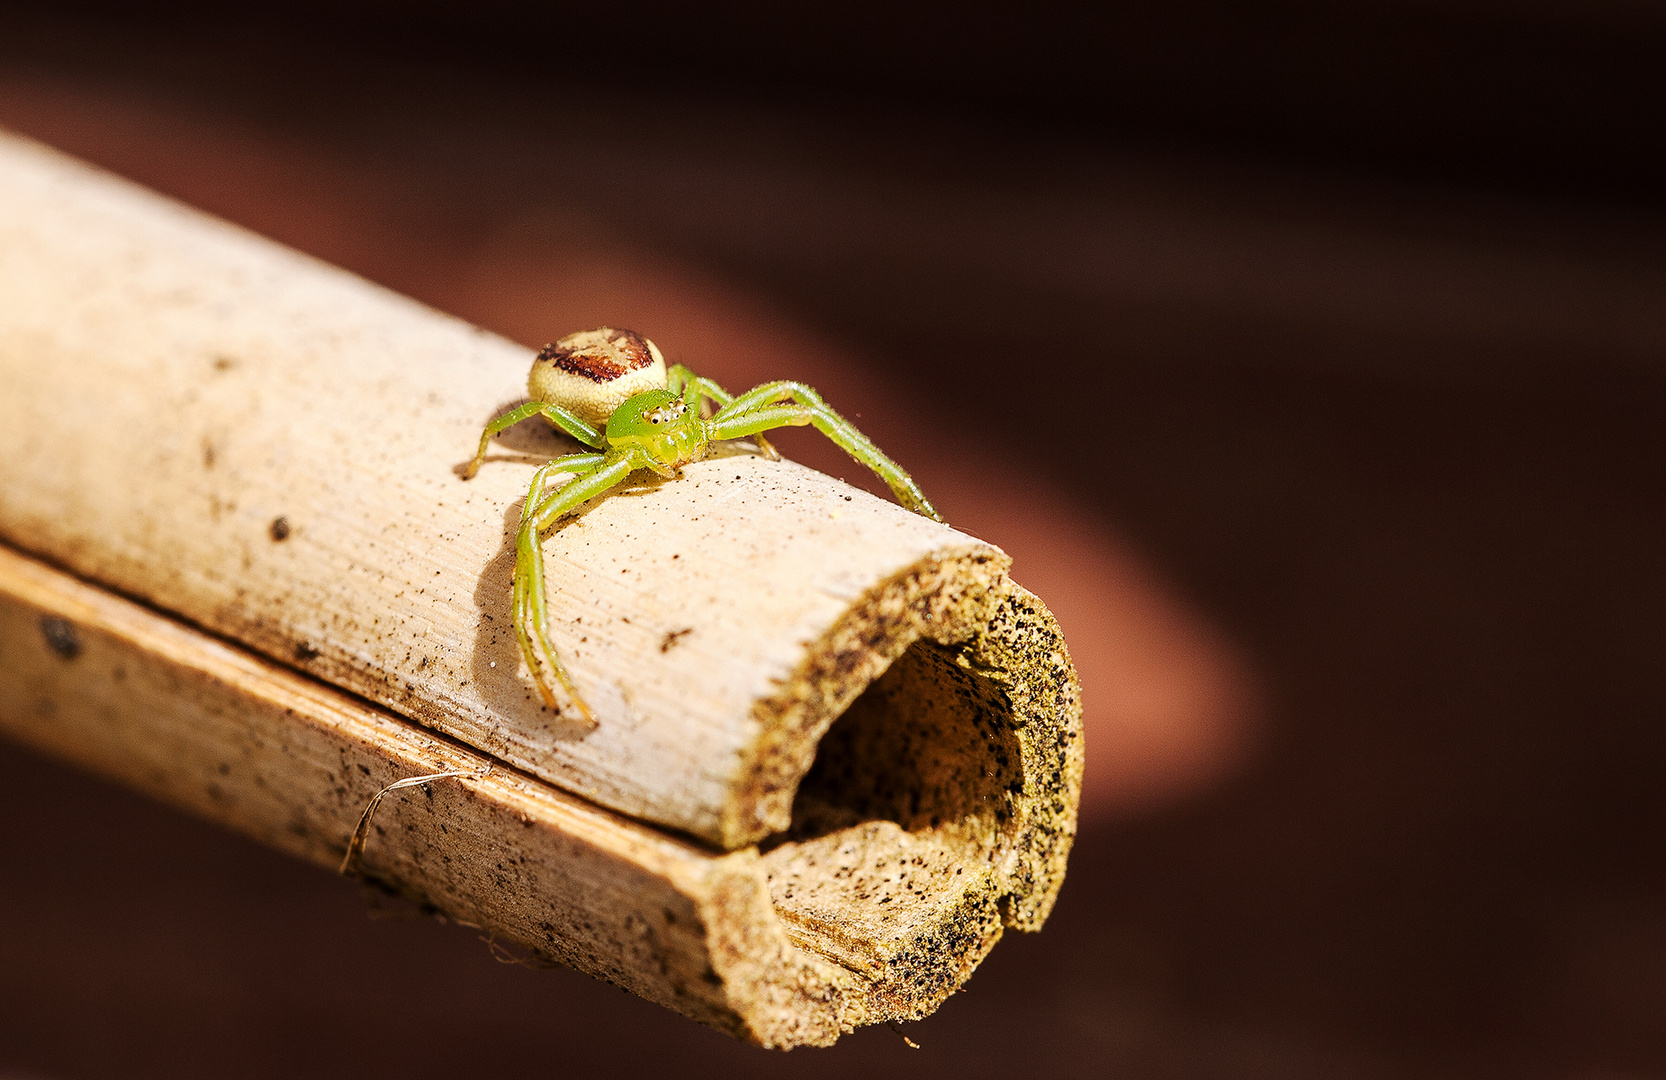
(495, 664)
(532, 441)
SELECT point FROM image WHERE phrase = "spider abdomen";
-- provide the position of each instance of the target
(592, 373)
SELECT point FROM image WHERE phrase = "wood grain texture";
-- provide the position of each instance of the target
(217, 731)
(267, 449)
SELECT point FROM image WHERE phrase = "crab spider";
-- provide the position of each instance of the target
(610, 390)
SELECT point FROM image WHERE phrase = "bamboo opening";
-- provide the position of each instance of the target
(888, 868)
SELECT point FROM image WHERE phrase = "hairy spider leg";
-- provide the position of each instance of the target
(555, 414)
(531, 612)
(680, 380)
(736, 421)
(859, 446)
(577, 464)
(529, 575)
(779, 392)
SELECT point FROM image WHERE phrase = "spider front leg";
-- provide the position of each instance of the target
(692, 387)
(756, 411)
(558, 416)
(779, 392)
(530, 604)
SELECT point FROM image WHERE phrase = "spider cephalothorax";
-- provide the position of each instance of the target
(610, 389)
(666, 428)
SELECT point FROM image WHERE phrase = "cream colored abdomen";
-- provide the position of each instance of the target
(593, 391)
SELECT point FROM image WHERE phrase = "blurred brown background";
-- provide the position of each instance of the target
(1310, 358)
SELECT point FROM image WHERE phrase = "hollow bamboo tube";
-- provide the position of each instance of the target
(266, 447)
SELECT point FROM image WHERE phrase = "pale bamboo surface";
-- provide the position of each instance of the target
(266, 448)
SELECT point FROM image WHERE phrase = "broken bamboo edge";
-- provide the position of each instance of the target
(266, 447)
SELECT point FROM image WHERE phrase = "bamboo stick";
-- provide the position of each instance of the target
(266, 447)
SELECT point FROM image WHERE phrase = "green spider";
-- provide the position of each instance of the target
(610, 389)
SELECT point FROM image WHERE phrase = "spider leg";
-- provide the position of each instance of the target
(740, 423)
(530, 604)
(556, 415)
(577, 464)
(779, 392)
(774, 393)
(692, 387)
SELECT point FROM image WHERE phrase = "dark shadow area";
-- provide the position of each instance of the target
(907, 807)
(1456, 597)
(1540, 96)
(928, 744)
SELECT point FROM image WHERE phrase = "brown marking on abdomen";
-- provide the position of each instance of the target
(600, 361)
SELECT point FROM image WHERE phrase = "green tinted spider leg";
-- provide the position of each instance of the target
(692, 387)
(577, 464)
(529, 576)
(678, 379)
(779, 392)
(852, 441)
(532, 628)
(531, 613)
(734, 422)
(558, 416)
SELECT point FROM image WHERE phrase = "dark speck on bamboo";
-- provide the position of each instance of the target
(61, 636)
